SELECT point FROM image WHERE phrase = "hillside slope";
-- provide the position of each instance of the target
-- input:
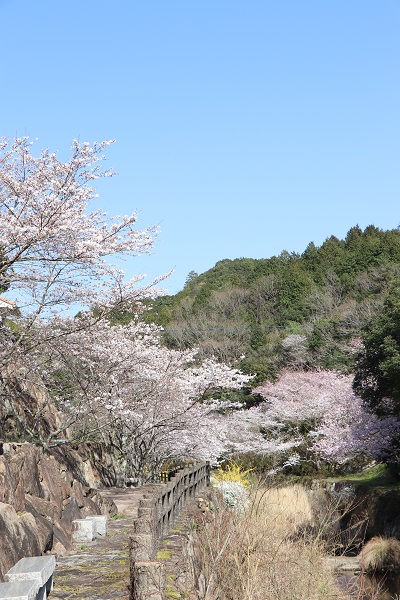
(293, 309)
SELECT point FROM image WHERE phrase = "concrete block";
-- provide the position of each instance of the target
(83, 530)
(36, 568)
(149, 580)
(147, 502)
(143, 526)
(145, 512)
(21, 590)
(100, 524)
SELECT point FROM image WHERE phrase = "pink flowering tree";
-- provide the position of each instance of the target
(145, 403)
(300, 395)
(349, 430)
(57, 252)
(318, 412)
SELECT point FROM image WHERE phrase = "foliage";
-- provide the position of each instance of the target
(234, 493)
(56, 253)
(249, 307)
(377, 377)
(145, 403)
(53, 247)
(192, 276)
(233, 483)
(318, 416)
(378, 475)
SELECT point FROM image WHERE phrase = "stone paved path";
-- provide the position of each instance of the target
(99, 570)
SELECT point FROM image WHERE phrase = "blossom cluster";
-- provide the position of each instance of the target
(53, 247)
(339, 425)
(118, 384)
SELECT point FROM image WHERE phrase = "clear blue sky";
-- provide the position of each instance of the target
(243, 127)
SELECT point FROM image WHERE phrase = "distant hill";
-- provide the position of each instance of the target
(288, 310)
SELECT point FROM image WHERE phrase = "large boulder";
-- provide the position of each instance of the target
(20, 535)
(41, 493)
(25, 403)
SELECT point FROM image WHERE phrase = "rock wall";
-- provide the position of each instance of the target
(41, 493)
(380, 510)
(25, 404)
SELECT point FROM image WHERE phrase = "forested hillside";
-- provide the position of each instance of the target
(288, 310)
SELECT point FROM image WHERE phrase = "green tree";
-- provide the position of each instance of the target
(377, 377)
(191, 276)
(294, 286)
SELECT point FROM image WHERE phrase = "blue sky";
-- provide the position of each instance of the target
(243, 127)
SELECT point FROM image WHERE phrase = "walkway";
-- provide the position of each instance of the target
(99, 570)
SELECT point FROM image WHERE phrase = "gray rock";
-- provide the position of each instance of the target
(40, 495)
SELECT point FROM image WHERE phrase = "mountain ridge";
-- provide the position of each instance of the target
(299, 310)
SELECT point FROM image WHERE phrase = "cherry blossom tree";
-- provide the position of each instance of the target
(56, 251)
(349, 430)
(319, 410)
(145, 403)
(300, 395)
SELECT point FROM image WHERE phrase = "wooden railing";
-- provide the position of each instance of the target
(158, 509)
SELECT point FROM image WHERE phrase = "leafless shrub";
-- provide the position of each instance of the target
(263, 554)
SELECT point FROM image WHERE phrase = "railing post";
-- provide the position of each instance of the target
(157, 511)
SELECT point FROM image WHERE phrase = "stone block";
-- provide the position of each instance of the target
(100, 523)
(37, 568)
(22, 590)
(141, 546)
(83, 530)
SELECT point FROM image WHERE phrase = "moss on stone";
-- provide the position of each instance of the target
(171, 592)
(118, 516)
(164, 554)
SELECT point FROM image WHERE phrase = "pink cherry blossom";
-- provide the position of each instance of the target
(56, 251)
(340, 426)
(120, 386)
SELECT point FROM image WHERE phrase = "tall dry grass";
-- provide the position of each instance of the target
(381, 554)
(268, 553)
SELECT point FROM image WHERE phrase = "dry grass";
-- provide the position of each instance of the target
(381, 554)
(261, 555)
(284, 510)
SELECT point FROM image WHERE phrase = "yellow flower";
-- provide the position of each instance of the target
(233, 472)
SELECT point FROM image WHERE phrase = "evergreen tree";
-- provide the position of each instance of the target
(377, 377)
